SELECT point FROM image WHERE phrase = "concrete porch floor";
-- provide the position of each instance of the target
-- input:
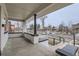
(20, 47)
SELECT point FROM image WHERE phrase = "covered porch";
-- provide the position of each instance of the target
(23, 43)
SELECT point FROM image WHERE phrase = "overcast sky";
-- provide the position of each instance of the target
(66, 15)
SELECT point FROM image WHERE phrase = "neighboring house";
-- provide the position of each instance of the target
(75, 27)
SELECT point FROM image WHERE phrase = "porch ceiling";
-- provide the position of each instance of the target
(23, 11)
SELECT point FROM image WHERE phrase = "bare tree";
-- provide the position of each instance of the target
(49, 27)
(31, 26)
(38, 26)
(43, 21)
(62, 27)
